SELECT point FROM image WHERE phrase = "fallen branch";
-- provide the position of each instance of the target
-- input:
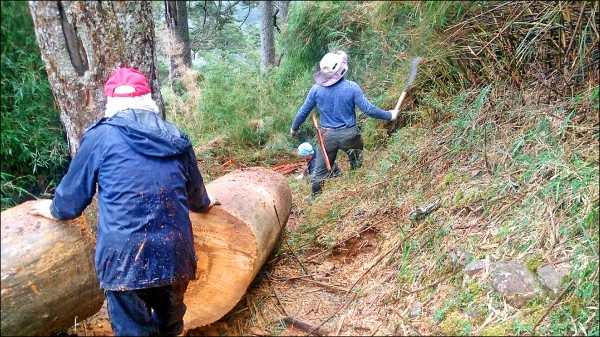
(317, 331)
(287, 168)
(420, 212)
(326, 285)
(411, 326)
(335, 313)
(292, 278)
(281, 307)
(558, 298)
(288, 245)
(227, 163)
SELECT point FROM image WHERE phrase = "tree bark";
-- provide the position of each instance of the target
(176, 17)
(267, 35)
(48, 274)
(82, 43)
(283, 6)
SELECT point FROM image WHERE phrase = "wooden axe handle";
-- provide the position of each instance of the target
(402, 95)
(321, 142)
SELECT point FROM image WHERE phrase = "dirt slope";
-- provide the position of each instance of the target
(353, 263)
(303, 289)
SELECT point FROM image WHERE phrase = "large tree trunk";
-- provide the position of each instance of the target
(82, 42)
(233, 241)
(176, 17)
(267, 37)
(48, 276)
(283, 6)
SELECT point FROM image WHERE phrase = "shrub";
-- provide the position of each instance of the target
(34, 153)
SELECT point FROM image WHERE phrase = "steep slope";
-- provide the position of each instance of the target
(354, 263)
(500, 130)
(525, 191)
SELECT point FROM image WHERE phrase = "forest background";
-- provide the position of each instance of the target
(501, 125)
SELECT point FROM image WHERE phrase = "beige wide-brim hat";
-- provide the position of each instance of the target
(331, 69)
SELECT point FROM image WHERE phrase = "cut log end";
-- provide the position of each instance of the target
(233, 240)
(226, 251)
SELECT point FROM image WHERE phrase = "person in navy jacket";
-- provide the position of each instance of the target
(144, 171)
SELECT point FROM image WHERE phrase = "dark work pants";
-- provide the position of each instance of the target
(347, 139)
(147, 312)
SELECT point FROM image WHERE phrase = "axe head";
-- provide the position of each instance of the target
(413, 72)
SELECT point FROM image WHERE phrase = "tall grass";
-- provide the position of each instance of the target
(514, 162)
(34, 152)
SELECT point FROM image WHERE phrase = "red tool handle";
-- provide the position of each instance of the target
(321, 142)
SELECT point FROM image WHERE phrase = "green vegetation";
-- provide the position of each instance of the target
(34, 154)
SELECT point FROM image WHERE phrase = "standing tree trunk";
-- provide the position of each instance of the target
(283, 6)
(82, 43)
(267, 37)
(176, 17)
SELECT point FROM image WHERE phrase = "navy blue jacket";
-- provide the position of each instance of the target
(147, 180)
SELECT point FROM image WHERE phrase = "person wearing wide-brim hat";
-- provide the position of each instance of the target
(336, 98)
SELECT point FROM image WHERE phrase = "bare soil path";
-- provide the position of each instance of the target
(309, 290)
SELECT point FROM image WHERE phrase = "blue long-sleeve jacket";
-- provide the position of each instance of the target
(147, 180)
(336, 104)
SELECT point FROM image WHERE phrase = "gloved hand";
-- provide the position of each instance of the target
(394, 114)
(292, 133)
(42, 208)
(213, 201)
(300, 176)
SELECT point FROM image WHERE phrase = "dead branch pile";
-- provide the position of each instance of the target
(549, 46)
(287, 168)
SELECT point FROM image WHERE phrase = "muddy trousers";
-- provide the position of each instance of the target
(348, 140)
(154, 311)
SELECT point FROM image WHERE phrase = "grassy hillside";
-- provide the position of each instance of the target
(500, 128)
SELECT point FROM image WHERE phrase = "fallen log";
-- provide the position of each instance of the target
(48, 277)
(233, 240)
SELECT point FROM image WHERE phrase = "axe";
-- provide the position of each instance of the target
(411, 78)
(321, 142)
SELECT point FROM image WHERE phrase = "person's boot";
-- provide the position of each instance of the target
(355, 159)
(316, 188)
(336, 172)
